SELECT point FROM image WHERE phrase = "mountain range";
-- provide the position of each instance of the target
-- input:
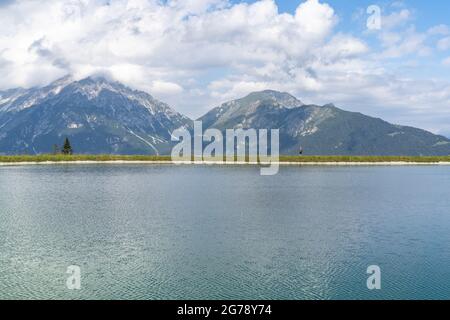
(99, 117)
(103, 116)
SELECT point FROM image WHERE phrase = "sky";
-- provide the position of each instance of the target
(387, 58)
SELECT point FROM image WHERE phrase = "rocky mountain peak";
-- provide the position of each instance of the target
(284, 99)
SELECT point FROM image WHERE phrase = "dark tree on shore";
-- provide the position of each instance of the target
(67, 148)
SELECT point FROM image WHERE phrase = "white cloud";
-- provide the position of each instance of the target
(163, 88)
(405, 42)
(161, 47)
(315, 19)
(195, 54)
(444, 44)
(441, 29)
(396, 19)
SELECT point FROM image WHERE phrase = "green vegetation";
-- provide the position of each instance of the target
(364, 159)
(79, 157)
(299, 159)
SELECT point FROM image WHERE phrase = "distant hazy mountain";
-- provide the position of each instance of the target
(98, 116)
(323, 130)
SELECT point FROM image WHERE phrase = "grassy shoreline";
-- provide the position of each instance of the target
(288, 159)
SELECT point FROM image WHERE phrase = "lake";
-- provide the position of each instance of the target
(216, 232)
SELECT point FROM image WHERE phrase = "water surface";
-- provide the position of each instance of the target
(185, 232)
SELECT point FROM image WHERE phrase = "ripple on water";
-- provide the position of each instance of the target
(143, 232)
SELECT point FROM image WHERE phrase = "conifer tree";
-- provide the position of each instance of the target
(67, 149)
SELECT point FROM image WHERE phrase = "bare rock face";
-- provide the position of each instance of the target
(103, 116)
(322, 130)
(99, 116)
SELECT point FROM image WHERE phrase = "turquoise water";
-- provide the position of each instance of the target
(184, 232)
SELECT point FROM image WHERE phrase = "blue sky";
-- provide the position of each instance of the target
(429, 13)
(196, 54)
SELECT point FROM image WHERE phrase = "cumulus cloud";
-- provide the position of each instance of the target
(396, 19)
(444, 44)
(195, 54)
(405, 43)
(441, 29)
(162, 46)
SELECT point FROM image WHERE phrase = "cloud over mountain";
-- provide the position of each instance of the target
(198, 53)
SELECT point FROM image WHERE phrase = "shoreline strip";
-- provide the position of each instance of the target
(218, 163)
